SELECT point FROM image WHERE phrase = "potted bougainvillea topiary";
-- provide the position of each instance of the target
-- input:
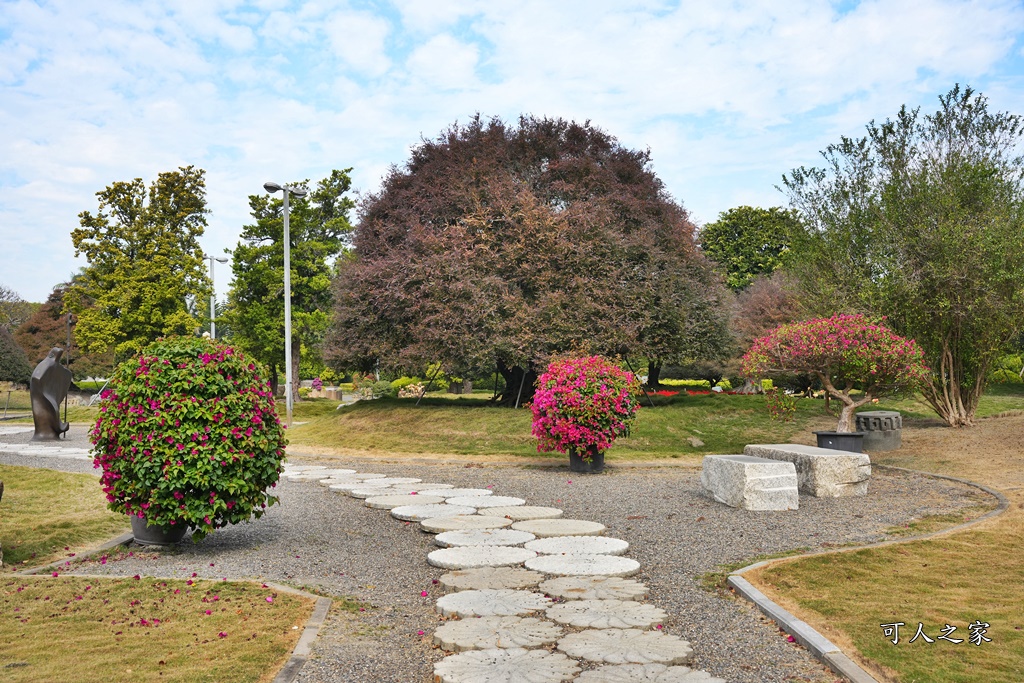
(188, 437)
(581, 406)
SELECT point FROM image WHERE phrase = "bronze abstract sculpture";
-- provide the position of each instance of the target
(48, 388)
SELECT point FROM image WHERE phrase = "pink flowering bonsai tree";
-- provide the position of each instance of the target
(846, 353)
(582, 405)
(188, 436)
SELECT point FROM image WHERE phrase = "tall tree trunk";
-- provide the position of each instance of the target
(296, 353)
(520, 384)
(654, 374)
(945, 393)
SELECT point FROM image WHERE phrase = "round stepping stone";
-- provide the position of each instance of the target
(335, 472)
(543, 528)
(366, 476)
(311, 476)
(339, 480)
(489, 602)
(490, 577)
(584, 565)
(471, 556)
(502, 666)
(646, 673)
(626, 646)
(392, 481)
(345, 487)
(304, 468)
(487, 501)
(495, 632)
(456, 493)
(450, 539)
(417, 513)
(422, 486)
(607, 614)
(463, 522)
(579, 545)
(400, 499)
(593, 588)
(521, 512)
(363, 493)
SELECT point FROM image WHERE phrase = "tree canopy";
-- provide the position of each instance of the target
(319, 230)
(145, 262)
(500, 246)
(922, 221)
(13, 309)
(14, 366)
(748, 241)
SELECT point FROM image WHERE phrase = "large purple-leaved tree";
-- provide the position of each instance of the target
(496, 246)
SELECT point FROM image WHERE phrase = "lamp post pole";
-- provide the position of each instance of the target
(298, 192)
(213, 294)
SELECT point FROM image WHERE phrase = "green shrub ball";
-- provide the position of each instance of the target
(188, 434)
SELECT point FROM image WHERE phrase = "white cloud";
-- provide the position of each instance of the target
(359, 40)
(444, 62)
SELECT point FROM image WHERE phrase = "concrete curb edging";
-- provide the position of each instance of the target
(818, 645)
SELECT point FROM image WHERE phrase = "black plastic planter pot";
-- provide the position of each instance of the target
(593, 464)
(841, 441)
(154, 535)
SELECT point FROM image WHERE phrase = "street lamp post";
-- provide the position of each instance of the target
(298, 192)
(213, 294)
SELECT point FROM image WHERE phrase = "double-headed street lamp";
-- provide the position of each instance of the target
(213, 294)
(300, 193)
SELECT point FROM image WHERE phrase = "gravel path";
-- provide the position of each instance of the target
(332, 544)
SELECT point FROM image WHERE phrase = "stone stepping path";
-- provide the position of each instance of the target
(400, 499)
(485, 541)
(487, 501)
(626, 646)
(484, 633)
(494, 578)
(488, 602)
(516, 665)
(449, 539)
(607, 614)
(646, 673)
(418, 513)
(542, 528)
(593, 588)
(521, 512)
(462, 523)
(579, 545)
(584, 565)
(471, 556)
(456, 493)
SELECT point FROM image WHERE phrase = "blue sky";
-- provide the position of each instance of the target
(727, 96)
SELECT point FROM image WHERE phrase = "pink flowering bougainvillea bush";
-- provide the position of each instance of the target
(582, 403)
(846, 353)
(188, 434)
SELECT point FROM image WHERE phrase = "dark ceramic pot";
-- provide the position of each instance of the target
(841, 441)
(592, 464)
(154, 535)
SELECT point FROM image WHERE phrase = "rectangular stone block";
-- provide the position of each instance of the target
(822, 472)
(751, 483)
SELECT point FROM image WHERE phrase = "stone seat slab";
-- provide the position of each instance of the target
(821, 472)
(750, 482)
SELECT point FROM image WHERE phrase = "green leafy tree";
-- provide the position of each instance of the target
(748, 241)
(14, 365)
(145, 262)
(319, 229)
(922, 221)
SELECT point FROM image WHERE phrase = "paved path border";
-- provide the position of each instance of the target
(818, 645)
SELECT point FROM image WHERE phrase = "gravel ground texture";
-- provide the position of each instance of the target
(332, 544)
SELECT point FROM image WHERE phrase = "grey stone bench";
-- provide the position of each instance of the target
(751, 483)
(821, 472)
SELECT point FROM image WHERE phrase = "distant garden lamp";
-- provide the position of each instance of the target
(298, 192)
(213, 294)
